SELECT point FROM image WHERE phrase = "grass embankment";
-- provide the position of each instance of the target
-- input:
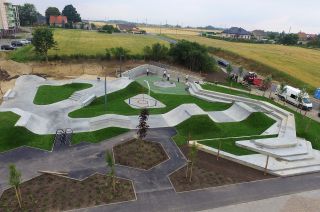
(48, 94)
(12, 137)
(306, 127)
(202, 127)
(298, 66)
(116, 103)
(89, 43)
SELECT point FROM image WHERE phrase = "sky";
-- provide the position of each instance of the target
(270, 15)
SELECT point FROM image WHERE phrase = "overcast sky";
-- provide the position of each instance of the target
(277, 15)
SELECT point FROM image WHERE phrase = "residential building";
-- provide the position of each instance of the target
(236, 33)
(130, 28)
(304, 38)
(86, 25)
(9, 17)
(259, 34)
(58, 21)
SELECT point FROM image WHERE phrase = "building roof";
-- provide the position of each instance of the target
(58, 19)
(236, 31)
(259, 33)
(126, 27)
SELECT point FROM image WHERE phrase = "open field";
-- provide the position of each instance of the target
(300, 63)
(73, 42)
(175, 31)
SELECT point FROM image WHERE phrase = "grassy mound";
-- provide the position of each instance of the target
(116, 103)
(48, 94)
(202, 127)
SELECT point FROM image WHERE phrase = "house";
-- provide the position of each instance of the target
(259, 34)
(58, 21)
(86, 25)
(236, 33)
(9, 18)
(305, 38)
(130, 28)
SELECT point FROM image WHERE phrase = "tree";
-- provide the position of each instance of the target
(266, 83)
(288, 39)
(192, 160)
(43, 41)
(51, 11)
(192, 55)
(14, 181)
(229, 69)
(240, 72)
(71, 13)
(283, 89)
(143, 126)
(156, 52)
(119, 52)
(111, 164)
(28, 14)
(1, 88)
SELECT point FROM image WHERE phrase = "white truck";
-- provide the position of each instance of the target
(296, 97)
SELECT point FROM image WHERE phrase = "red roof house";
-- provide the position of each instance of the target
(58, 20)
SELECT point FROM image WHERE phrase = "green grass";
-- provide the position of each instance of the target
(116, 104)
(306, 127)
(300, 64)
(98, 136)
(202, 127)
(48, 94)
(89, 43)
(12, 137)
(229, 144)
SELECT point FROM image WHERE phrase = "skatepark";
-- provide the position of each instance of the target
(282, 154)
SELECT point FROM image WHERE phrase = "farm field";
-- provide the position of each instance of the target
(299, 63)
(175, 31)
(72, 42)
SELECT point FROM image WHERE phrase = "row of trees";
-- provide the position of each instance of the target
(29, 15)
(69, 11)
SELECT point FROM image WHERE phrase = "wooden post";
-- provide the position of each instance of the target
(220, 143)
(266, 167)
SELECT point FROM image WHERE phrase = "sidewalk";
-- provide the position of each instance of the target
(305, 201)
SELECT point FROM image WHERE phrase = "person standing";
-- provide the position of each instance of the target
(147, 72)
(187, 78)
(164, 73)
(168, 77)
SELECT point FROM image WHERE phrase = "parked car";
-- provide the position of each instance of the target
(16, 44)
(291, 95)
(24, 42)
(7, 47)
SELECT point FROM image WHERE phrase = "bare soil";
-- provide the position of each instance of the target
(54, 193)
(210, 172)
(139, 154)
(218, 76)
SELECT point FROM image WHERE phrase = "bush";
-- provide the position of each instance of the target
(156, 52)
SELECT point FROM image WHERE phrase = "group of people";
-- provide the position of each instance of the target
(167, 75)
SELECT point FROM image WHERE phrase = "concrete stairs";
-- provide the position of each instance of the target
(76, 96)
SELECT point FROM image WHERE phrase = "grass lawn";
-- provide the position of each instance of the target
(72, 42)
(48, 94)
(306, 127)
(202, 127)
(98, 136)
(300, 63)
(116, 104)
(229, 144)
(12, 137)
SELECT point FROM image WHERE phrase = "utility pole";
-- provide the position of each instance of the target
(121, 65)
(105, 88)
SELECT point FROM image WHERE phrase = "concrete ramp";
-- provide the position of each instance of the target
(182, 113)
(239, 111)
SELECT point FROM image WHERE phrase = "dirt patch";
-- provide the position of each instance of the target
(208, 172)
(139, 154)
(53, 193)
(218, 76)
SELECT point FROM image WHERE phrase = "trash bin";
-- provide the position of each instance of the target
(317, 94)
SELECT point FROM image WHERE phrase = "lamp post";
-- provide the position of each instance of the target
(105, 91)
(121, 65)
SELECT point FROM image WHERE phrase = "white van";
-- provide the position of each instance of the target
(291, 95)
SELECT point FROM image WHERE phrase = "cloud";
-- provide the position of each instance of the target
(251, 14)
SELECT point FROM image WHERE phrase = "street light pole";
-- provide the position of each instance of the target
(121, 65)
(105, 91)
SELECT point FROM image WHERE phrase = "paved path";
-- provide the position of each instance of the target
(85, 159)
